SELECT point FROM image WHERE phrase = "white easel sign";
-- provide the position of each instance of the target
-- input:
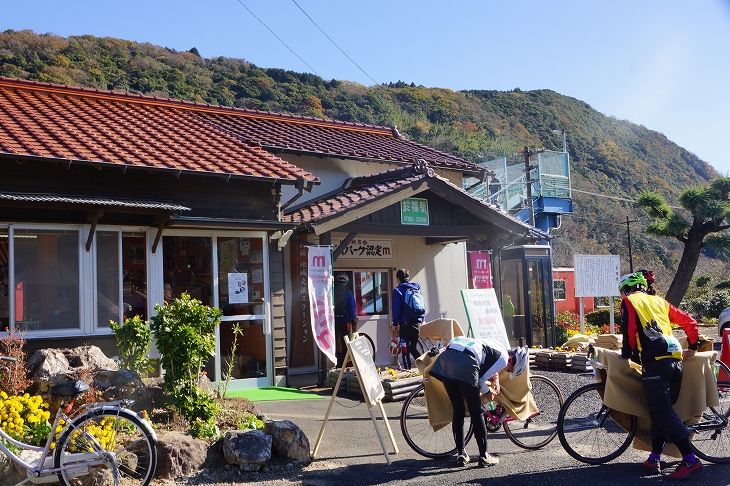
(358, 352)
(484, 314)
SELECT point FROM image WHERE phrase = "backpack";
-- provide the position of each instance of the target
(414, 305)
(340, 300)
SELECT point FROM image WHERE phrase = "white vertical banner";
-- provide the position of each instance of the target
(319, 280)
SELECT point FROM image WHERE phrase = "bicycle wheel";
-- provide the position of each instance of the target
(711, 440)
(540, 429)
(591, 432)
(419, 434)
(113, 439)
(371, 344)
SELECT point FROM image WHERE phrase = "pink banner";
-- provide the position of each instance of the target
(481, 269)
(320, 299)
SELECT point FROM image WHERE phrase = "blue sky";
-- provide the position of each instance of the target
(659, 63)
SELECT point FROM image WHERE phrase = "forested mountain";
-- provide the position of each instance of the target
(612, 160)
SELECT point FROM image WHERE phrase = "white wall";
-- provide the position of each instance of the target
(440, 270)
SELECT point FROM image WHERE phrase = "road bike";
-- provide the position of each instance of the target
(594, 433)
(99, 444)
(533, 433)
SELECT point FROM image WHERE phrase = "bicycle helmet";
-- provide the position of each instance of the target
(521, 360)
(394, 347)
(342, 277)
(648, 276)
(633, 281)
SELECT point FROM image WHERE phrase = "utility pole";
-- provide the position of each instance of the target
(528, 182)
(628, 231)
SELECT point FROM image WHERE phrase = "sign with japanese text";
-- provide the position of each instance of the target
(371, 385)
(237, 288)
(321, 308)
(414, 211)
(366, 249)
(303, 354)
(597, 275)
(481, 269)
(485, 318)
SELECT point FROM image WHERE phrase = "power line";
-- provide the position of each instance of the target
(280, 40)
(335, 44)
(602, 195)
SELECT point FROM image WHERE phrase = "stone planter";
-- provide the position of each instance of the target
(398, 389)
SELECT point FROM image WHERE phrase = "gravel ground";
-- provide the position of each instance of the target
(280, 473)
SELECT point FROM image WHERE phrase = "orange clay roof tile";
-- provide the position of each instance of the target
(47, 120)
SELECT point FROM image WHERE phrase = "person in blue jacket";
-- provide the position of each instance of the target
(409, 327)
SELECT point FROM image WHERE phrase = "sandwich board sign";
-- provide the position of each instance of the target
(358, 352)
(485, 317)
(372, 387)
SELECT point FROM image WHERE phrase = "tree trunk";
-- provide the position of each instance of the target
(687, 265)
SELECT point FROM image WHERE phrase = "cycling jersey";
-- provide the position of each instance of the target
(646, 322)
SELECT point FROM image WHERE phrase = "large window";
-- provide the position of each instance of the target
(4, 280)
(371, 291)
(51, 271)
(121, 276)
(46, 271)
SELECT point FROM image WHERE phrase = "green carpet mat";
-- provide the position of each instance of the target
(273, 393)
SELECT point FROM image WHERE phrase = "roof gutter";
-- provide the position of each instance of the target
(300, 187)
(123, 167)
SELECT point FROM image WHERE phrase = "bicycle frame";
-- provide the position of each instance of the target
(497, 418)
(40, 471)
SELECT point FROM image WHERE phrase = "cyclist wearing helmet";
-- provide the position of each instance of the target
(345, 316)
(464, 368)
(646, 324)
(649, 277)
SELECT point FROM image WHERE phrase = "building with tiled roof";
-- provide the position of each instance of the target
(112, 202)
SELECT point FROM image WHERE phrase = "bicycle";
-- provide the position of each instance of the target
(535, 432)
(99, 444)
(594, 433)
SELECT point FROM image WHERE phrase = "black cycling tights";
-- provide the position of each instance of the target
(460, 392)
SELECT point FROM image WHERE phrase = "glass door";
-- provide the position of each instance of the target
(228, 272)
(540, 314)
(243, 344)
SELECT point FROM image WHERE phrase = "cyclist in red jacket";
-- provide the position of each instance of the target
(646, 324)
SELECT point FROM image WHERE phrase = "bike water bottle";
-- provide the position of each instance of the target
(403, 346)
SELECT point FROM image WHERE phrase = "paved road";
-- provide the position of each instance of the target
(350, 453)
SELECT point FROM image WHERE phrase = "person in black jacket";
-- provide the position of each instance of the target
(465, 367)
(345, 316)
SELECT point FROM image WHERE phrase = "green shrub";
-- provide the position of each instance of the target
(708, 306)
(133, 343)
(184, 331)
(602, 316)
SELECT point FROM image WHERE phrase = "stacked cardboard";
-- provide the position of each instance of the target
(609, 341)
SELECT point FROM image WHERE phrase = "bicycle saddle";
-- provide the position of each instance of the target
(69, 389)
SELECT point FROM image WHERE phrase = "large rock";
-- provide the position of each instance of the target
(48, 367)
(249, 449)
(289, 442)
(123, 385)
(47, 363)
(179, 454)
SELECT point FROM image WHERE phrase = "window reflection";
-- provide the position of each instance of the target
(371, 290)
(46, 279)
